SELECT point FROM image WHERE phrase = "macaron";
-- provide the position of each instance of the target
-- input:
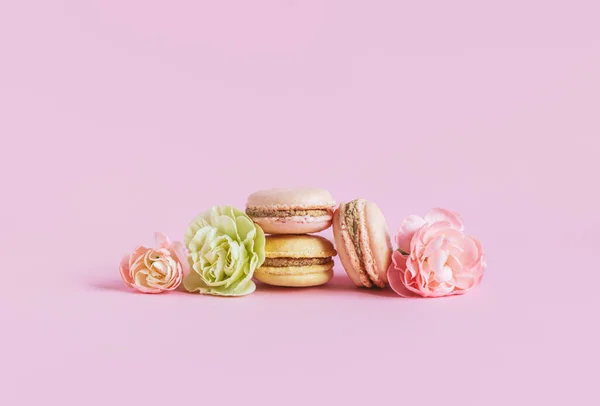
(296, 261)
(291, 211)
(363, 242)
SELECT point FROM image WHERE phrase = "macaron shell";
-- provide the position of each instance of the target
(291, 198)
(371, 227)
(294, 281)
(298, 246)
(379, 240)
(293, 225)
(347, 253)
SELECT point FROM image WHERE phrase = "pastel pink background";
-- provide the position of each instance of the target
(119, 118)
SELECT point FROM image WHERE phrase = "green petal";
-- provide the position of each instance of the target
(239, 290)
(245, 288)
(198, 223)
(245, 226)
(247, 277)
(237, 212)
(240, 270)
(259, 244)
(226, 225)
(193, 282)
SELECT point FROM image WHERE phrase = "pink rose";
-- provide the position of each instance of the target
(152, 270)
(434, 257)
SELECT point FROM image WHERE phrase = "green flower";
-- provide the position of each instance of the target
(225, 248)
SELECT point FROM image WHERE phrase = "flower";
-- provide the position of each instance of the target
(157, 270)
(434, 257)
(225, 248)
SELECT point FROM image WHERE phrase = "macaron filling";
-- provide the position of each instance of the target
(283, 262)
(351, 214)
(264, 212)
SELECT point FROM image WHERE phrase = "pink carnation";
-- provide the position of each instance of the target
(155, 270)
(434, 257)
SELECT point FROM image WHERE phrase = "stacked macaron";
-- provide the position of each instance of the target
(362, 239)
(294, 258)
(297, 261)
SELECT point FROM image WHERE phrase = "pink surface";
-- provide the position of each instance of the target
(121, 118)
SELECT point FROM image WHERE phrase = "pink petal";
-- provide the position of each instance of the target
(412, 267)
(179, 278)
(437, 262)
(464, 281)
(125, 271)
(399, 260)
(438, 244)
(453, 236)
(480, 265)
(443, 289)
(180, 253)
(466, 252)
(396, 282)
(479, 246)
(455, 292)
(148, 256)
(433, 231)
(426, 274)
(478, 269)
(453, 263)
(141, 284)
(421, 287)
(407, 229)
(417, 246)
(136, 254)
(162, 240)
(175, 278)
(436, 215)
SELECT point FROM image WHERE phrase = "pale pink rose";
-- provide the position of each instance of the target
(434, 257)
(155, 270)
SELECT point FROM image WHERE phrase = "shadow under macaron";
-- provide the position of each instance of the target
(339, 284)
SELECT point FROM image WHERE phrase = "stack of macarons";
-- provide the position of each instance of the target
(295, 258)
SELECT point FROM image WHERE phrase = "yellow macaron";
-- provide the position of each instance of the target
(297, 261)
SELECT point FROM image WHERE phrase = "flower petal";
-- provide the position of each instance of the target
(395, 278)
(432, 231)
(179, 251)
(413, 267)
(226, 225)
(465, 251)
(198, 223)
(407, 229)
(137, 253)
(141, 283)
(479, 266)
(161, 240)
(259, 246)
(244, 227)
(436, 215)
(437, 263)
(399, 260)
(464, 281)
(124, 270)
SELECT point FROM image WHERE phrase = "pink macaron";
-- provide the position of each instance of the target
(363, 242)
(291, 211)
